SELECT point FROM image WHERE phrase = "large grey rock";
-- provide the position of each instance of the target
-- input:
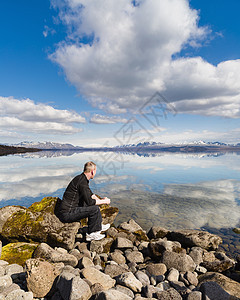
(230, 286)
(95, 276)
(129, 280)
(130, 226)
(196, 254)
(19, 294)
(40, 277)
(181, 262)
(173, 275)
(135, 257)
(157, 247)
(156, 269)
(218, 265)
(143, 277)
(72, 287)
(192, 238)
(195, 295)
(117, 257)
(124, 290)
(102, 246)
(156, 232)
(213, 291)
(170, 294)
(115, 270)
(112, 294)
(5, 281)
(123, 243)
(191, 278)
(45, 252)
(85, 262)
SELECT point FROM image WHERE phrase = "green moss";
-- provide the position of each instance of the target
(18, 253)
(141, 235)
(47, 204)
(22, 225)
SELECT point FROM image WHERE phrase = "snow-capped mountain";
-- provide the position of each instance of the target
(46, 145)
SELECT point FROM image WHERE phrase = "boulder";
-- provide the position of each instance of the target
(135, 257)
(40, 277)
(218, 265)
(19, 294)
(156, 248)
(130, 281)
(156, 232)
(95, 276)
(18, 252)
(195, 295)
(115, 270)
(212, 290)
(143, 277)
(112, 294)
(51, 255)
(130, 226)
(72, 287)
(198, 238)
(156, 269)
(102, 246)
(124, 290)
(230, 286)
(173, 275)
(181, 262)
(169, 294)
(38, 223)
(123, 243)
(117, 257)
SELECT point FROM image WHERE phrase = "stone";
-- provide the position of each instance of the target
(5, 281)
(170, 294)
(123, 243)
(112, 232)
(198, 238)
(129, 280)
(18, 253)
(201, 269)
(163, 286)
(76, 253)
(96, 288)
(156, 232)
(173, 275)
(196, 254)
(230, 286)
(6, 212)
(73, 287)
(108, 213)
(40, 277)
(117, 257)
(13, 270)
(181, 262)
(112, 294)
(135, 256)
(142, 277)
(212, 290)
(102, 246)
(218, 265)
(19, 294)
(0, 248)
(85, 262)
(236, 230)
(157, 247)
(191, 278)
(115, 270)
(130, 226)
(45, 252)
(95, 276)
(4, 292)
(156, 269)
(195, 295)
(39, 223)
(124, 290)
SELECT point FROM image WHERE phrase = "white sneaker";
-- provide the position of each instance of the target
(105, 227)
(96, 236)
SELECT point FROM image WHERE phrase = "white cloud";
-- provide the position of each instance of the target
(130, 56)
(26, 116)
(100, 119)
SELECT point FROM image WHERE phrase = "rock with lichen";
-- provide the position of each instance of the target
(39, 223)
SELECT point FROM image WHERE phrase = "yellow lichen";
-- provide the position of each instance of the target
(18, 253)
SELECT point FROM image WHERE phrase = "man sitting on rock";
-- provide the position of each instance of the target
(79, 202)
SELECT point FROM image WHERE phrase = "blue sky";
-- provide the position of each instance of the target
(83, 72)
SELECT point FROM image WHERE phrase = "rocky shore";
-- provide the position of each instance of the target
(6, 150)
(42, 258)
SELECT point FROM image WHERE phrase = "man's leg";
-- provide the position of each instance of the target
(91, 212)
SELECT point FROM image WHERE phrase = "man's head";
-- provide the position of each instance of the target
(90, 169)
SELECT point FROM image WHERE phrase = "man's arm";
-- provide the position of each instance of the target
(99, 201)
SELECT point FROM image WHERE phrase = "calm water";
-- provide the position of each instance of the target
(170, 190)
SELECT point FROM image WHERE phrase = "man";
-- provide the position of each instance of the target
(79, 202)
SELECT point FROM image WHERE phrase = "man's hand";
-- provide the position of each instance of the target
(104, 200)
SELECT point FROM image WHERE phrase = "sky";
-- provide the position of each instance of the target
(107, 73)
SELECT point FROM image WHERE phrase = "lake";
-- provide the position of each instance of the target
(175, 191)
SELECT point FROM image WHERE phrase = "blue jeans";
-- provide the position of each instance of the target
(76, 214)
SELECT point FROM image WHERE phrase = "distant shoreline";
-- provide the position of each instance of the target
(7, 150)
